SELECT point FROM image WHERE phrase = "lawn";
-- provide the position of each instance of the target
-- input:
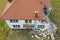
(3, 26)
(3, 30)
(55, 16)
(8, 34)
(2, 5)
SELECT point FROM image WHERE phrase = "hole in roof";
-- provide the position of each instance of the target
(41, 2)
(10, 1)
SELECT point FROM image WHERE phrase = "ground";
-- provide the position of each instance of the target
(55, 16)
(8, 34)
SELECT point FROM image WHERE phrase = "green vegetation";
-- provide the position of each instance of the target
(3, 26)
(3, 29)
(8, 34)
(2, 5)
(55, 16)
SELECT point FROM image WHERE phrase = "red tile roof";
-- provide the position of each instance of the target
(24, 9)
(47, 3)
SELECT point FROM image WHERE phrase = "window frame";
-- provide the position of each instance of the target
(14, 21)
(16, 26)
(41, 26)
(28, 21)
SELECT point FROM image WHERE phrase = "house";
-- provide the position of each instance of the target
(26, 14)
(30, 14)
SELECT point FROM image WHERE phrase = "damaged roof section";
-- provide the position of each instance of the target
(24, 9)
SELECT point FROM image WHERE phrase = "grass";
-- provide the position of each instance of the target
(3, 26)
(3, 30)
(2, 5)
(55, 16)
(24, 35)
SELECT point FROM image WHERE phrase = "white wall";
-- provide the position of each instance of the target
(21, 22)
(9, 24)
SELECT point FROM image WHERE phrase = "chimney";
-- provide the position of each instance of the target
(36, 14)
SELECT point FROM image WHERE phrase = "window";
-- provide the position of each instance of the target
(28, 21)
(13, 21)
(42, 21)
(13, 25)
(10, 20)
(16, 20)
(16, 25)
(41, 26)
(10, 1)
(39, 20)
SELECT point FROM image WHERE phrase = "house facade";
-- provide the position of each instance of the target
(25, 24)
(26, 14)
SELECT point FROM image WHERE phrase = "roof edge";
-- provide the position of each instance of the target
(8, 5)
